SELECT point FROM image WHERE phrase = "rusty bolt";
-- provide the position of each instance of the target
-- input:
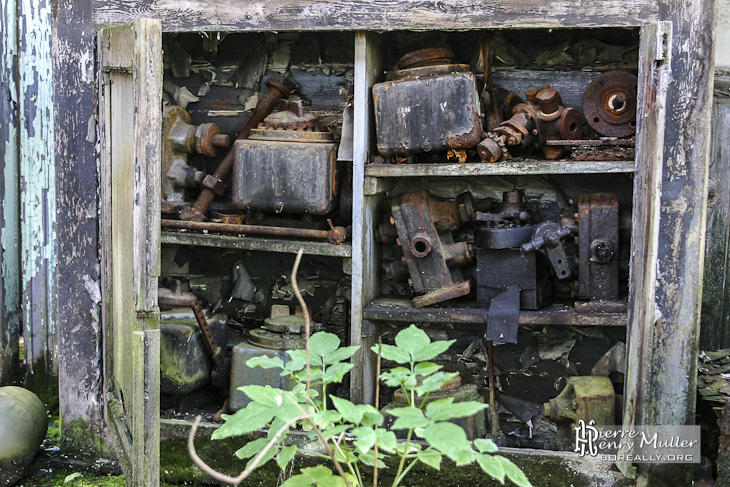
(221, 140)
(215, 184)
(337, 235)
(549, 101)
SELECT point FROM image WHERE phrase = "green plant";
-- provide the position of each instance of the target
(352, 434)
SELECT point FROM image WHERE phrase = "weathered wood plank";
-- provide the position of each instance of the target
(365, 271)
(715, 328)
(9, 197)
(38, 190)
(256, 243)
(401, 311)
(499, 169)
(282, 15)
(77, 232)
(654, 78)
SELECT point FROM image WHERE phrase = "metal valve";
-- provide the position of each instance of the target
(548, 235)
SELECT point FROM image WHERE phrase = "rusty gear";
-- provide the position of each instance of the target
(609, 104)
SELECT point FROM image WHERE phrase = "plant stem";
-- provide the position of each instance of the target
(402, 459)
(405, 472)
(377, 405)
(298, 294)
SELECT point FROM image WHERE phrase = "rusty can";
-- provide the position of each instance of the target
(427, 109)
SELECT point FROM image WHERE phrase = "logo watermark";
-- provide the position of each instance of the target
(640, 444)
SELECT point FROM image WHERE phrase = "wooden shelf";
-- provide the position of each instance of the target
(498, 169)
(255, 243)
(400, 310)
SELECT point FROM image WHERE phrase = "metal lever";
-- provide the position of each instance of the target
(548, 235)
(215, 350)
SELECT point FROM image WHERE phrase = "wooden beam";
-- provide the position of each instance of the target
(283, 15)
(715, 330)
(9, 197)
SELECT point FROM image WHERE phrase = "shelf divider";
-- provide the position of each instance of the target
(498, 169)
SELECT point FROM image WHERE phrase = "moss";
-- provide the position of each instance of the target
(79, 479)
(79, 440)
(44, 386)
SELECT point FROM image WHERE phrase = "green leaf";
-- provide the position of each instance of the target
(335, 430)
(323, 418)
(252, 448)
(399, 376)
(485, 445)
(336, 372)
(514, 473)
(492, 466)
(265, 395)
(365, 438)
(390, 352)
(320, 476)
(344, 455)
(386, 440)
(269, 455)
(369, 459)
(341, 354)
(285, 456)
(444, 410)
(400, 447)
(71, 477)
(349, 411)
(371, 416)
(434, 382)
(450, 440)
(253, 417)
(265, 362)
(432, 350)
(297, 362)
(409, 418)
(426, 368)
(430, 457)
(412, 340)
(323, 343)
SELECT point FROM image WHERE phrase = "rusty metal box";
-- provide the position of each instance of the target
(285, 175)
(243, 375)
(427, 113)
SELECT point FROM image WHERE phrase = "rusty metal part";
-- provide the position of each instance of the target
(494, 113)
(276, 341)
(594, 142)
(291, 116)
(604, 154)
(213, 348)
(541, 118)
(547, 236)
(493, 415)
(180, 138)
(170, 298)
(587, 398)
(279, 87)
(609, 103)
(598, 222)
(512, 210)
(336, 235)
(228, 218)
(426, 57)
(434, 108)
(427, 249)
(416, 73)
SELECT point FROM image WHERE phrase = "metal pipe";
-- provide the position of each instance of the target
(336, 235)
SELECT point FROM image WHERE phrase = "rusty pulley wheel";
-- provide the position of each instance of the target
(426, 57)
(609, 104)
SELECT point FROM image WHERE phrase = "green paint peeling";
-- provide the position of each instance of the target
(37, 182)
(10, 232)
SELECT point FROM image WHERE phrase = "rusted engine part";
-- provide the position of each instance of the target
(180, 138)
(214, 184)
(594, 218)
(273, 339)
(431, 105)
(609, 104)
(547, 236)
(184, 356)
(541, 118)
(286, 165)
(335, 235)
(180, 299)
(584, 398)
(599, 149)
(427, 248)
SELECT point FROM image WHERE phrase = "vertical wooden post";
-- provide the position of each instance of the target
(364, 262)
(9, 196)
(77, 230)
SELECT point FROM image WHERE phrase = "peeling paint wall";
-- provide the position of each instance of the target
(37, 185)
(722, 38)
(9, 231)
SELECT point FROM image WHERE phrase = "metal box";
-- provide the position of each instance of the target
(185, 363)
(295, 174)
(243, 375)
(427, 113)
